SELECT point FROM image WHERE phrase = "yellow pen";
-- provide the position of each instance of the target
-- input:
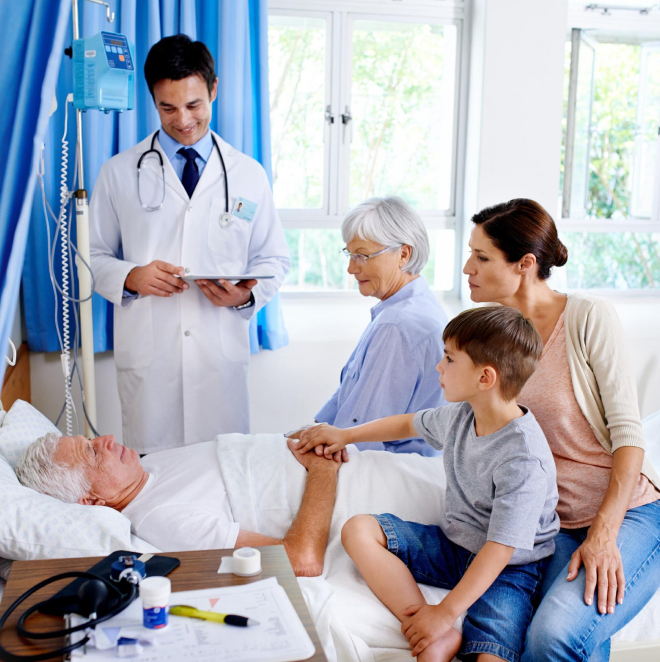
(228, 619)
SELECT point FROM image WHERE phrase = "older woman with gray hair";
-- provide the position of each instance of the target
(392, 369)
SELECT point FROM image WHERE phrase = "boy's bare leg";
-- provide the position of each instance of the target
(389, 578)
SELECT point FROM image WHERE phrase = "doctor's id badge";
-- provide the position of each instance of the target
(244, 209)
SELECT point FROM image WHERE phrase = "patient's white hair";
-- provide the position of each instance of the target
(389, 221)
(38, 470)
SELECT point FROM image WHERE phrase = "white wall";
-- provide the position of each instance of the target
(515, 104)
(518, 74)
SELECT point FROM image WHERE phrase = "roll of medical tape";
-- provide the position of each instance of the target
(246, 562)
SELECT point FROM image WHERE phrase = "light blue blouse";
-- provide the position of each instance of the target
(392, 369)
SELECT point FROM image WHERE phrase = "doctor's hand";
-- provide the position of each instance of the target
(156, 278)
(229, 294)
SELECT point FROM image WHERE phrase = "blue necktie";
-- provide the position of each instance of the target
(190, 175)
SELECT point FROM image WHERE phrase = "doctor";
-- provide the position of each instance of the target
(160, 211)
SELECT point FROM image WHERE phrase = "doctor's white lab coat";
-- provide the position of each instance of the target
(182, 362)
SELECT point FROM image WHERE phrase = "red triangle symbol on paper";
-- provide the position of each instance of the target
(213, 602)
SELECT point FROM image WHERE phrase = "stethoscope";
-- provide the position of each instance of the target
(226, 218)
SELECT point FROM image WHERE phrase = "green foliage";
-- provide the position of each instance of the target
(621, 260)
(612, 260)
(297, 92)
(613, 130)
(402, 102)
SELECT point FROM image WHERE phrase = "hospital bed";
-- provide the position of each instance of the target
(351, 622)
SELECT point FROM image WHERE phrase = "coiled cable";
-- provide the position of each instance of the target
(64, 252)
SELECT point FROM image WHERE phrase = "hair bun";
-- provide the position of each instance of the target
(561, 255)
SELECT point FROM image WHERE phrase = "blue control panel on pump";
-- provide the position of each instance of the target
(103, 73)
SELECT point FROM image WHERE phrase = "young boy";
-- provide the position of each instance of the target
(499, 521)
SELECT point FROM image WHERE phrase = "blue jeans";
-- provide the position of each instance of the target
(564, 627)
(496, 623)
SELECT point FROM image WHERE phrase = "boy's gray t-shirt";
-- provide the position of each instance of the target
(501, 487)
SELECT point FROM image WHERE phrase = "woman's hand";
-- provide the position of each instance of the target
(423, 624)
(603, 565)
(333, 439)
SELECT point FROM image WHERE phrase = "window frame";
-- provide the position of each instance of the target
(649, 48)
(630, 29)
(452, 12)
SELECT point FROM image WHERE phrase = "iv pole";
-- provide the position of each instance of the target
(84, 277)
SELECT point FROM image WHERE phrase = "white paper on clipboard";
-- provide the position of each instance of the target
(279, 637)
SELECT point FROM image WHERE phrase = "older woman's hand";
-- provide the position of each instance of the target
(334, 439)
(604, 568)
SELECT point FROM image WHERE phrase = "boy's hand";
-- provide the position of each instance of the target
(423, 624)
(331, 437)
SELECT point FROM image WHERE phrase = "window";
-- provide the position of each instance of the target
(298, 47)
(610, 190)
(363, 104)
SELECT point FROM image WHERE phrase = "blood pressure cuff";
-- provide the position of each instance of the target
(66, 601)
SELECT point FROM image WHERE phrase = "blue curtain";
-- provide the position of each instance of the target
(235, 32)
(31, 50)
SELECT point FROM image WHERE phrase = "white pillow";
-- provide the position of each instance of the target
(22, 425)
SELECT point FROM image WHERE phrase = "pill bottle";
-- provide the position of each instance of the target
(155, 594)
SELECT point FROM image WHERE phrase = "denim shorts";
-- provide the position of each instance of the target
(497, 622)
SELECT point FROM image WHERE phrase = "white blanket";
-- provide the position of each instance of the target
(265, 485)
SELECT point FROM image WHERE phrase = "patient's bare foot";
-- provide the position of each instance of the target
(444, 649)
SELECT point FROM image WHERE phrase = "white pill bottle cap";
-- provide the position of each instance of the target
(155, 592)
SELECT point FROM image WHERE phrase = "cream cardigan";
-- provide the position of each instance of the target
(603, 382)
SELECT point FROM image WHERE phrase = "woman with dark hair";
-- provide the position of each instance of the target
(583, 394)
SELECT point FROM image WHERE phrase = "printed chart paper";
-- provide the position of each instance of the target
(279, 637)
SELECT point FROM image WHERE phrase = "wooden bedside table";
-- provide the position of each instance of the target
(197, 570)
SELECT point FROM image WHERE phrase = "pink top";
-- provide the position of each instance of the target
(583, 465)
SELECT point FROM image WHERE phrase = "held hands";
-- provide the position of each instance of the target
(424, 624)
(310, 460)
(331, 438)
(604, 568)
(227, 294)
(157, 279)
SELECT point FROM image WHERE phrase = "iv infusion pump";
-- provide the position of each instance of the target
(103, 73)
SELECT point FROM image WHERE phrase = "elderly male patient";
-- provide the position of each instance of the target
(176, 499)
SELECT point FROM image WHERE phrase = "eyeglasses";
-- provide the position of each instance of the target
(358, 258)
